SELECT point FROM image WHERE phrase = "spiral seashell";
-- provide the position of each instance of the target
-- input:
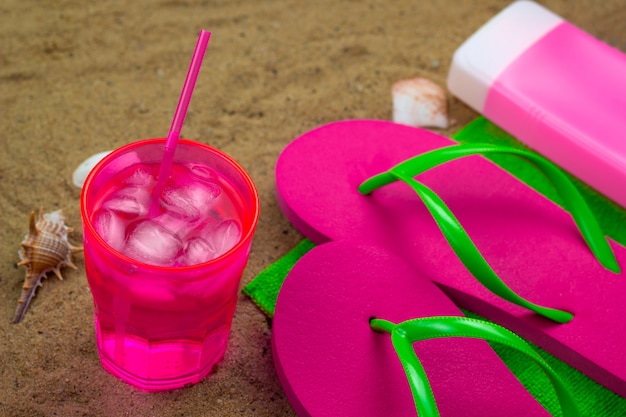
(44, 249)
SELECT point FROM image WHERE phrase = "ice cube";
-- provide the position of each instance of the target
(130, 202)
(111, 228)
(150, 242)
(224, 237)
(141, 177)
(191, 201)
(196, 251)
(180, 226)
(204, 173)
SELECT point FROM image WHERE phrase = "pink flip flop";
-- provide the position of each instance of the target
(545, 263)
(331, 362)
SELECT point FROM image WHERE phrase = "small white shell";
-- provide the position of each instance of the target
(419, 102)
(80, 174)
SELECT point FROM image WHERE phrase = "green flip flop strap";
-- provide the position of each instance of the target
(458, 238)
(404, 334)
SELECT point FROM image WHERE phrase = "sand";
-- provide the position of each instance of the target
(77, 78)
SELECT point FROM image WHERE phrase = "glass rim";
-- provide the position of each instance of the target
(86, 219)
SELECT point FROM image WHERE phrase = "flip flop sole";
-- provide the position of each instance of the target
(331, 363)
(531, 243)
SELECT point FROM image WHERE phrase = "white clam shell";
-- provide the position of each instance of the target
(419, 102)
(80, 173)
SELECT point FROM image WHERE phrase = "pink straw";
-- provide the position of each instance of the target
(179, 118)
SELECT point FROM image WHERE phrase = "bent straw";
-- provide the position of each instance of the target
(179, 118)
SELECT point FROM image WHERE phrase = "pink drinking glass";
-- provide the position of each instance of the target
(160, 328)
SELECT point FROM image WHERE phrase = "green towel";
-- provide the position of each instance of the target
(265, 287)
(593, 400)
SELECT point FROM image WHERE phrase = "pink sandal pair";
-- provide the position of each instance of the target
(402, 223)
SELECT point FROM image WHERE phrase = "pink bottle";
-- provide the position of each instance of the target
(554, 87)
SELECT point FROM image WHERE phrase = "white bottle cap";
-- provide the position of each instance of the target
(479, 61)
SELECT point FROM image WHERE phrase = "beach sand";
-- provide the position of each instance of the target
(77, 78)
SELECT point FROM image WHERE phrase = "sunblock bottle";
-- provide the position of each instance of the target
(554, 87)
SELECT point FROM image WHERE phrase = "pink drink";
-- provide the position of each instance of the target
(198, 217)
(165, 288)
